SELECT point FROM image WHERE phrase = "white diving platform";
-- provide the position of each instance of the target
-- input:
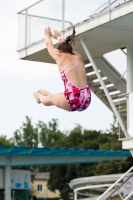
(103, 33)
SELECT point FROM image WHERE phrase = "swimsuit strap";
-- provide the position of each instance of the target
(76, 60)
(72, 59)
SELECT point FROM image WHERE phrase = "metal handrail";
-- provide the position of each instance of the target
(110, 188)
(100, 6)
(54, 19)
(120, 185)
(108, 2)
(31, 15)
(29, 7)
(131, 194)
(88, 187)
(107, 6)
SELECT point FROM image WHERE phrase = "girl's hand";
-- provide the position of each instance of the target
(56, 34)
(47, 31)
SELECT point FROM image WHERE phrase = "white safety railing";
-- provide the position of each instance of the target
(123, 179)
(108, 5)
(27, 23)
(91, 187)
(29, 35)
(129, 196)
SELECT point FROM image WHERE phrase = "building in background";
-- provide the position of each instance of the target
(40, 188)
(20, 184)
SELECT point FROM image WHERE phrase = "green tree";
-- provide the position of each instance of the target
(50, 136)
(74, 139)
(5, 142)
(90, 139)
(113, 167)
(60, 177)
(114, 127)
(27, 135)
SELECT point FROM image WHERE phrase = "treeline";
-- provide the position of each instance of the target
(49, 135)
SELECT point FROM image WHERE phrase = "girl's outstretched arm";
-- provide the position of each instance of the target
(51, 49)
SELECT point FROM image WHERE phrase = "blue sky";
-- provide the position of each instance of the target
(19, 78)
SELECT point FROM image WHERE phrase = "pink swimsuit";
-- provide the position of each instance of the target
(78, 98)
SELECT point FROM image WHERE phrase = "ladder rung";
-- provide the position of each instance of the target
(115, 96)
(120, 103)
(98, 84)
(121, 110)
(89, 69)
(93, 77)
(110, 89)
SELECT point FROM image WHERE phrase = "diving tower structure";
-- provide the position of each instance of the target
(108, 29)
(103, 32)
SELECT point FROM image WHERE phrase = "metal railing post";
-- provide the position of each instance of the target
(109, 9)
(109, 5)
(75, 195)
(29, 28)
(26, 23)
(63, 16)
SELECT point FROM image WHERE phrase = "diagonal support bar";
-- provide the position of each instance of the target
(129, 196)
(104, 87)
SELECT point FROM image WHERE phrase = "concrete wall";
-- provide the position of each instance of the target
(45, 191)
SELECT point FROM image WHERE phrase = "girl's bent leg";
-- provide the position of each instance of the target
(58, 100)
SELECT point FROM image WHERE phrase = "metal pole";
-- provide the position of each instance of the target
(63, 16)
(8, 179)
(129, 86)
(29, 28)
(109, 8)
(104, 87)
(129, 69)
(109, 5)
(26, 23)
(75, 195)
(13, 194)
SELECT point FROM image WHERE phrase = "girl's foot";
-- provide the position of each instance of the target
(38, 101)
(45, 93)
(35, 94)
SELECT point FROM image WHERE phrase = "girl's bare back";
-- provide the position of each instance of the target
(75, 74)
